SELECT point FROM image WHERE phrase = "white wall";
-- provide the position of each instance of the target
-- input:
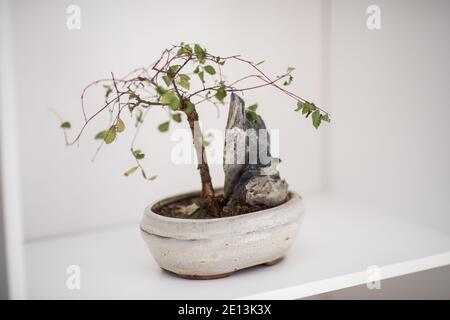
(12, 281)
(391, 104)
(63, 191)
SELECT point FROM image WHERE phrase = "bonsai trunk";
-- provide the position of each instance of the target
(209, 200)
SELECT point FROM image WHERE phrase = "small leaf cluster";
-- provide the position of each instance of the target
(290, 78)
(309, 108)
(109, 135)
(132, 170)
(252, 116)
(138, 155)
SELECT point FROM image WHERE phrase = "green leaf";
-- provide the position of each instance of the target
(326, 118)
(167, 80)
(145, 176)
(130, 171)
(171, 99)
(181, 51)
(252, 116)
(188, 48)
(163, 127)
(173, 70)
(176, 117)
(288, 81)
(66, 125)
(185, 49)
(108, 90)
(167, 97)
(139, 117)
(192, 208)
(175, 103)
(210, 70)
(300, 106)
(201, 75)
(198, 49)
(160, 90)
(184, 81)
(110, 135)
(253, 107)
(138, 154)
(132, 95)
(200, 53)
(100, 135)
(189, 107)
(221, 93)
(120, 126)
(316, 118)
(290, 69)
(197, 70)
(307, 107)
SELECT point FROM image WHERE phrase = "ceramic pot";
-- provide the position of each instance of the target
(215, 248)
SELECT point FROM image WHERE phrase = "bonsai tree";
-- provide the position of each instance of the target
(184, 77)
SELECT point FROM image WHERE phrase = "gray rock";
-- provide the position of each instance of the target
(251, 174)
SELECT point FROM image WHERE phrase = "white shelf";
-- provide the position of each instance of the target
(336, 244)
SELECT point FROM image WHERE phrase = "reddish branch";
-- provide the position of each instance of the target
(142, 81)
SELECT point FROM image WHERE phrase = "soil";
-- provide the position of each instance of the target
(180, 209)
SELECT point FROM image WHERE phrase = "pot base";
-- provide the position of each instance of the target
(222, 275)
(210, 277)
(273, 262)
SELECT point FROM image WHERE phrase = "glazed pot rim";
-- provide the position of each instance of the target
(220, 228)
(293, 197)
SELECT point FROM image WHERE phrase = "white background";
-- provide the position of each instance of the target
(391, 106)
